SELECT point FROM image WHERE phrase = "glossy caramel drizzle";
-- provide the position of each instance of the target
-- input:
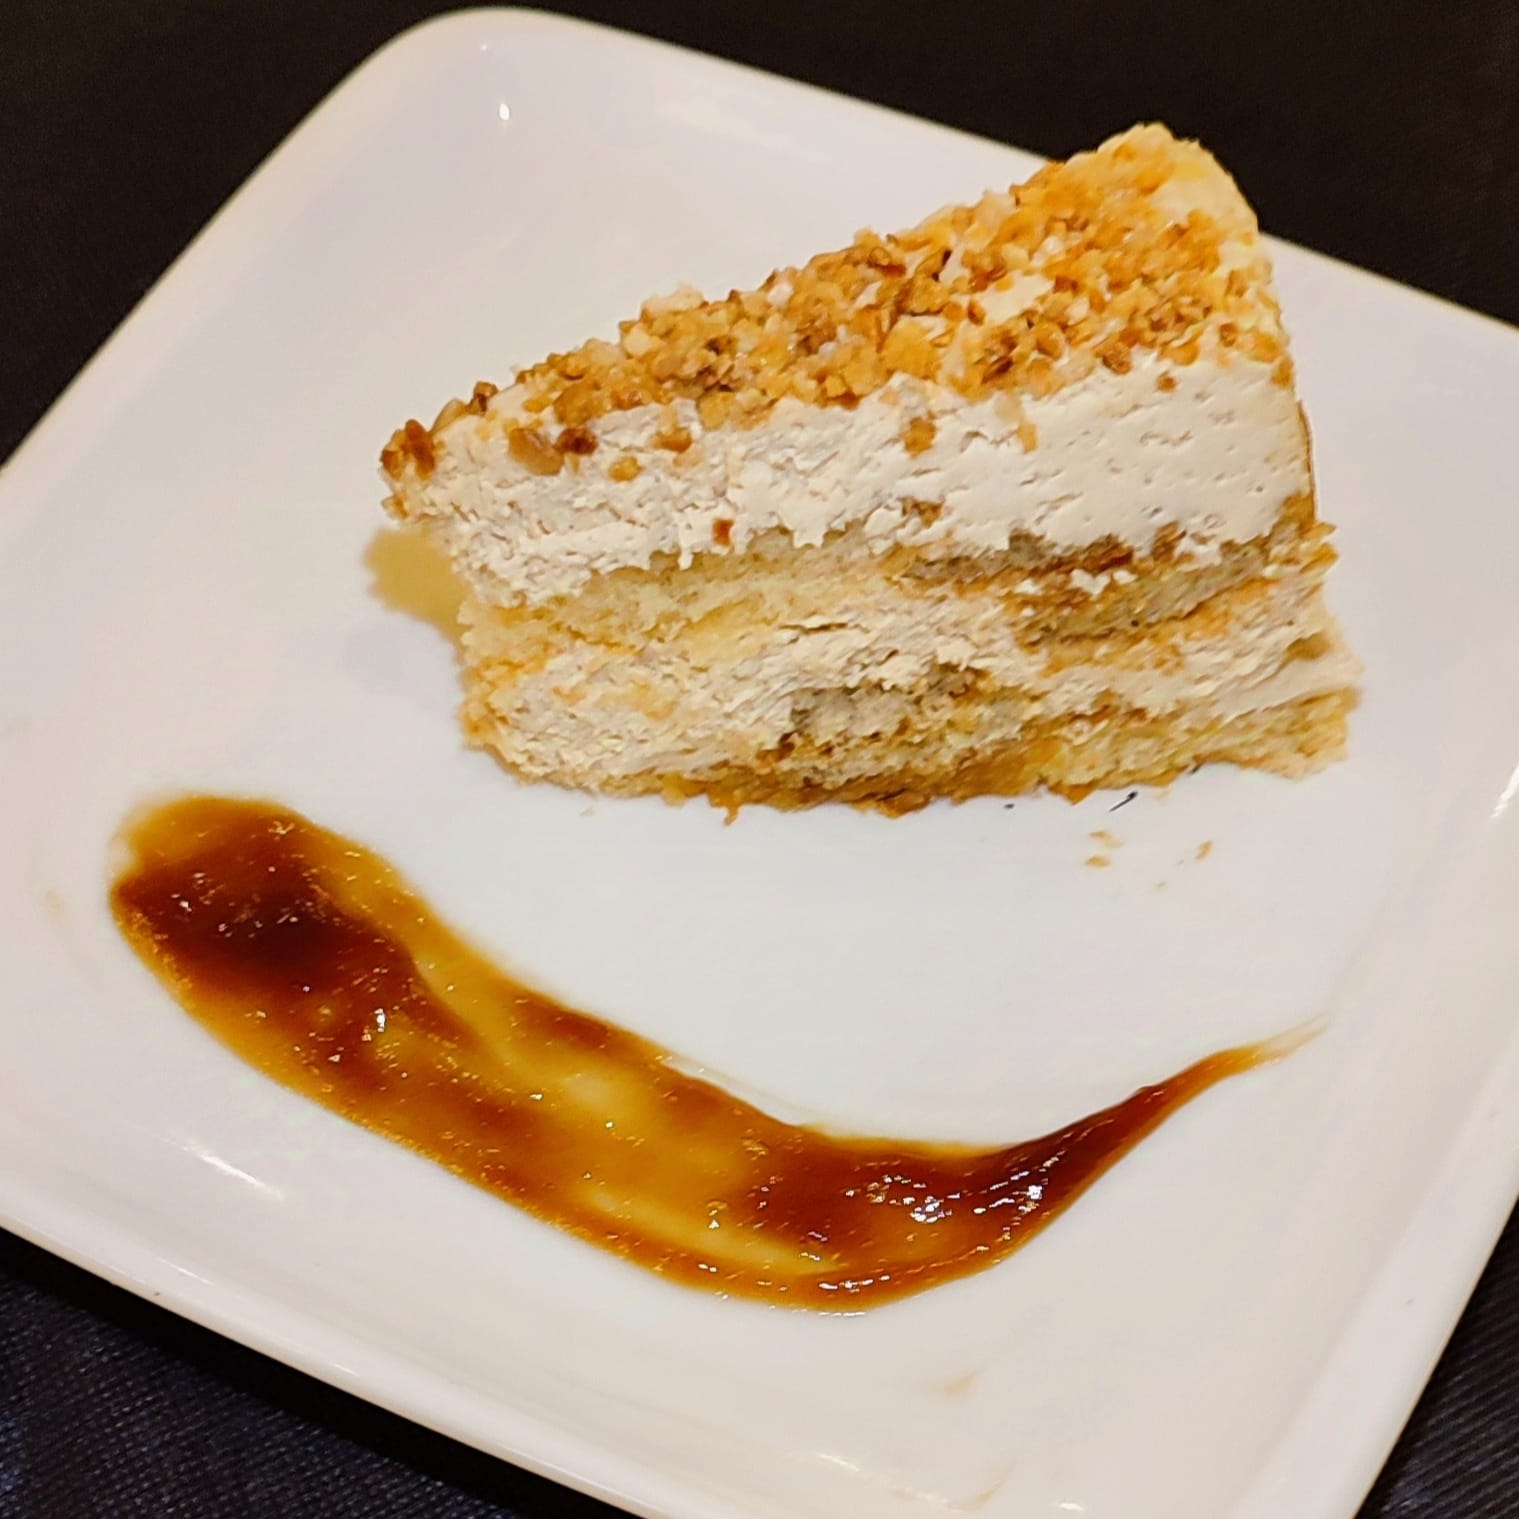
(312, 959)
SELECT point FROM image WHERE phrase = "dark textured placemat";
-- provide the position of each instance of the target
(1386, 133)
(110, 1406)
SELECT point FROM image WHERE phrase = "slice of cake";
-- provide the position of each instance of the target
(1020, 497)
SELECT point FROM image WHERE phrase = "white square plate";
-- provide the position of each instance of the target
(1231, 1323)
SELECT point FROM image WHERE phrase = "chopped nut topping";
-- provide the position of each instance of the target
(1114, 271)
(419, 444)
(675, 439)
(1116, 356)
(918, 437)
(624, 469)
(722, 532)
(714, 407)
(579, 402)
(907, 349)
(533, 451)
(1049, 340)
(411, 441)
(576, 440)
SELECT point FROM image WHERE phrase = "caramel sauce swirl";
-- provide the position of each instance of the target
(313, 960)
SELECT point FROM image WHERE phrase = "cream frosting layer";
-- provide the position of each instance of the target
(1212, 456)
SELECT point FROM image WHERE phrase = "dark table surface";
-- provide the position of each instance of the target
(1383, 131)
